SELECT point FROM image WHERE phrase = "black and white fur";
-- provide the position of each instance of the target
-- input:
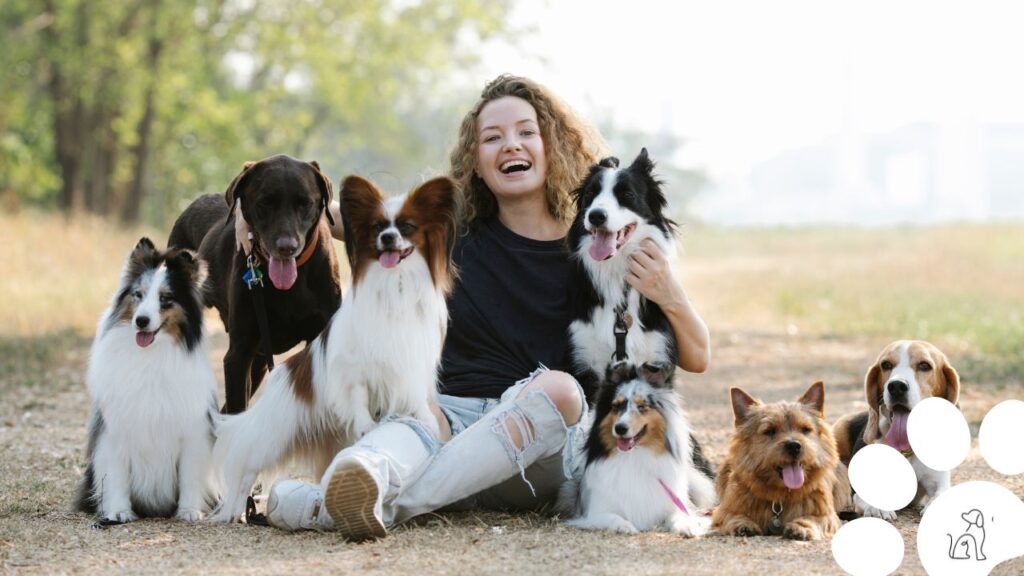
(626, 489)
(152, 390)
(629, 204)
(626, 204)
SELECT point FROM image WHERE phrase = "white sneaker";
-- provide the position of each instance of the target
(296, 505)
(353, 499)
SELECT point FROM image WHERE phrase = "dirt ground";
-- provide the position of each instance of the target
(43, 418)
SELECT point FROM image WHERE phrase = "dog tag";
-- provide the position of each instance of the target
(775, 526)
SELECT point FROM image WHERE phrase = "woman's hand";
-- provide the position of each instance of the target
(650, 274)
(243, 232)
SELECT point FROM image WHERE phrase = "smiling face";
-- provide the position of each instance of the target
(510, 150)
(906, 372)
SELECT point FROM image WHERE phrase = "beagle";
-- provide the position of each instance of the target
(906, 372)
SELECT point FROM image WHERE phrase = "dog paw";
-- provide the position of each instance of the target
(801, 529)
(121, 516)
(872, 512)
(689, 526)
(189, 514)
(742, 528)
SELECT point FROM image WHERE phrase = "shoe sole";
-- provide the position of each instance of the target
(350, 498)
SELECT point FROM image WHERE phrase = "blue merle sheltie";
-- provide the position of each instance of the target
(617, 209)
(152, 391)
(638, 472)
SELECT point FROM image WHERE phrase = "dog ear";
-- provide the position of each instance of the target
(619, 372)
(190, 263)
(658, 374)
(872, 391)
(326, 191)
(741, 403)
(609, 162)
(952, 391)
(237, 188)
(643, 162)
(359, 199)
(815, 397)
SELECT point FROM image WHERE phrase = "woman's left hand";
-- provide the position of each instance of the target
(651, 275)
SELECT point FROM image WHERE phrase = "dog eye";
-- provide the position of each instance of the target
(806, 430)
(166, 301)
(406, 228)
(924, 367)
(642, 408)
(379, 227)
(137, 294)
(886, 365)
(770, 432)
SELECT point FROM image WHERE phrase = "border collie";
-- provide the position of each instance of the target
(638, 473)
(377, 357)
(617, 209)
(152, 390)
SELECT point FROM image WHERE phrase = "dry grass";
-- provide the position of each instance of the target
(786, 308)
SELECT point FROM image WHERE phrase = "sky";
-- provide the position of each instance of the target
(746, 81)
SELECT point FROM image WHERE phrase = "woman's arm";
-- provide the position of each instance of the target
(651, 276)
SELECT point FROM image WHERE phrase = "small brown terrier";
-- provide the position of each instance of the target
(782, 475)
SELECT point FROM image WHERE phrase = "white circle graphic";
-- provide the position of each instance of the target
(883, 477)
(938, 434)
(868, 547)
(1000, 437)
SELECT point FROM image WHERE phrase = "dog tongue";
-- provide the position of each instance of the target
(602, 246)
(793, 476)
(390, 259)
(144, 339)
(625, 444)
(897, 435)
(283, 273)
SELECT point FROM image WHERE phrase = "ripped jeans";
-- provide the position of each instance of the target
(481, 466)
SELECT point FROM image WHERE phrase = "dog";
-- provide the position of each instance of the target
(906, 372)
(153, 395)
(972, 540)
(285, 201)
(638, 472)
(377, 357)
(782, 475)
(616, 210)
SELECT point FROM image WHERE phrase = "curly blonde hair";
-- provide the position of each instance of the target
(571, 146)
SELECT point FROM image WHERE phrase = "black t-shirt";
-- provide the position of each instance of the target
(509, 311)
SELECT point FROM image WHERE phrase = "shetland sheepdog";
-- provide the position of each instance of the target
(152, 390)
(637, 471)
(377, 357)
(617, 209)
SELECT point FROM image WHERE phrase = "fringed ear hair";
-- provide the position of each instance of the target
(326, 191)
(609, 162)
(658, 374)
(620, 372)
(190, 263)
(237, 188)
(873, 393)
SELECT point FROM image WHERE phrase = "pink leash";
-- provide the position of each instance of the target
(675, 499)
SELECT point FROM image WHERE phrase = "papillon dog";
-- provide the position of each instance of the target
(377, 357)
(637, 471)
(153, 394)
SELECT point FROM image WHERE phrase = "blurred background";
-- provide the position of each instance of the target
(850, 169)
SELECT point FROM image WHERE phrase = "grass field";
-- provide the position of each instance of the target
(785, 306)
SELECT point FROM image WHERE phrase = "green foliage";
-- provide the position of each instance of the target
(334, 80)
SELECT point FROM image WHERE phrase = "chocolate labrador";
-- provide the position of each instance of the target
(286, 203)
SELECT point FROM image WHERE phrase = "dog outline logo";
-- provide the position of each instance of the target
(972, 538)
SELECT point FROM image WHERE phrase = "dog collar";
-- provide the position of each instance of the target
(672, 496)
(775, 524)
(304, 257)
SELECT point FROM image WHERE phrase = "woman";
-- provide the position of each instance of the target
(508, 408)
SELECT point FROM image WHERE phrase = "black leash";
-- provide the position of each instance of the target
(623, 322)
(253, 279)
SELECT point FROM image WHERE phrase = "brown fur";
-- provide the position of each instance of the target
(750, 482)
(941, 381)
(653, 438)
(430, 208)
(300, 365)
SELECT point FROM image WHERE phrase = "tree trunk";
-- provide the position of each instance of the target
(140, 152)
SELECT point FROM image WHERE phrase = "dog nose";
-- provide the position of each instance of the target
(621, 429)
(141, 322)
(898, 388)
(597, 217)
(388, 239)
(287, 246)
(792, 448)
